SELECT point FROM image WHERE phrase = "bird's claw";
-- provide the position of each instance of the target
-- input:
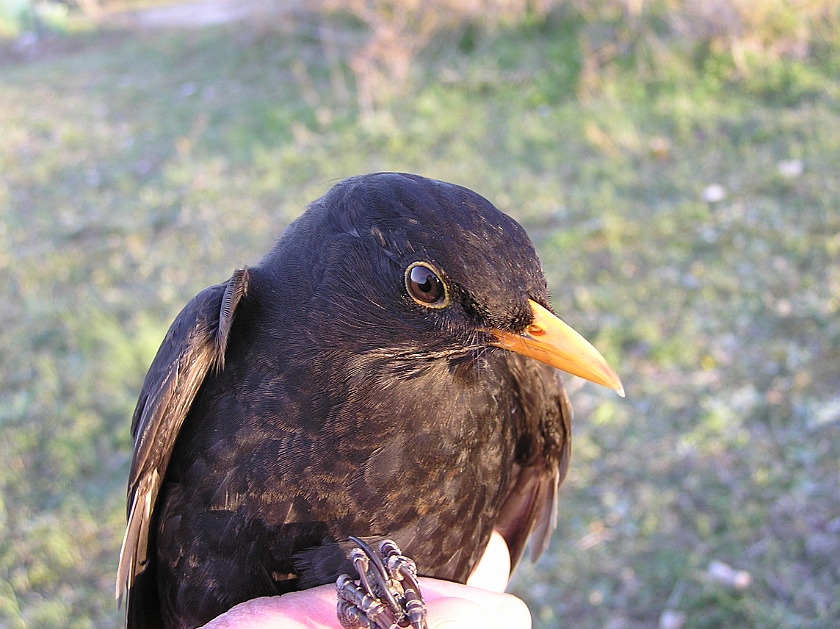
(387, 594)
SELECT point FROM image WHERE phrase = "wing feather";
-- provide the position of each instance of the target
(542, 416)
(194, 345)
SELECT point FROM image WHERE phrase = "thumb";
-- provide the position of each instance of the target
(491, 611)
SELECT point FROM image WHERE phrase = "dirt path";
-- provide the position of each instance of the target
(201, 13)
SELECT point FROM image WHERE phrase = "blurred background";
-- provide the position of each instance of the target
(675, 162)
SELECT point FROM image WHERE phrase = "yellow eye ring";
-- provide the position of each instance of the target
(424, 285)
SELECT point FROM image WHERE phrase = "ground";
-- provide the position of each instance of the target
(684, 202)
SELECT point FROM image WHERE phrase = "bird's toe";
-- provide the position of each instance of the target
(387, 593)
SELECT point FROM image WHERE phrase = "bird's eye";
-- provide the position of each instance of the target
(425, 287)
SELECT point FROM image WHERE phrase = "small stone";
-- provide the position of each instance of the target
(727, 576)
(660, 146)
(790, 168)
(672, 619)
(714, 193)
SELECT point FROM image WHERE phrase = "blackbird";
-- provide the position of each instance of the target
(387, 370)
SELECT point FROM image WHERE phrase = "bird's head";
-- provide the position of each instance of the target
(428, 265)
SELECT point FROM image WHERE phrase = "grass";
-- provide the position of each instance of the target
(138, 167)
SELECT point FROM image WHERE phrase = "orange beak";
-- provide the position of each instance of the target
(554, 343)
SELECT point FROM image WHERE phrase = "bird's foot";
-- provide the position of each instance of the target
(387, 594)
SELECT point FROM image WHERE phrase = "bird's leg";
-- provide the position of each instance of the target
(387, 595)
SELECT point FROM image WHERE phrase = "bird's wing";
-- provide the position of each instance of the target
(542, 415)
(194, 344)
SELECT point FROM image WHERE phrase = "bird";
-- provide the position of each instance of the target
(389, 369)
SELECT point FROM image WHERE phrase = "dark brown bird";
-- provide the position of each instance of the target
(375, 376)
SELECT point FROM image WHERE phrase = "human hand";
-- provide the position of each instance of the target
(479, 605)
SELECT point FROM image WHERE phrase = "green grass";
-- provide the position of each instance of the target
(138, 168)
